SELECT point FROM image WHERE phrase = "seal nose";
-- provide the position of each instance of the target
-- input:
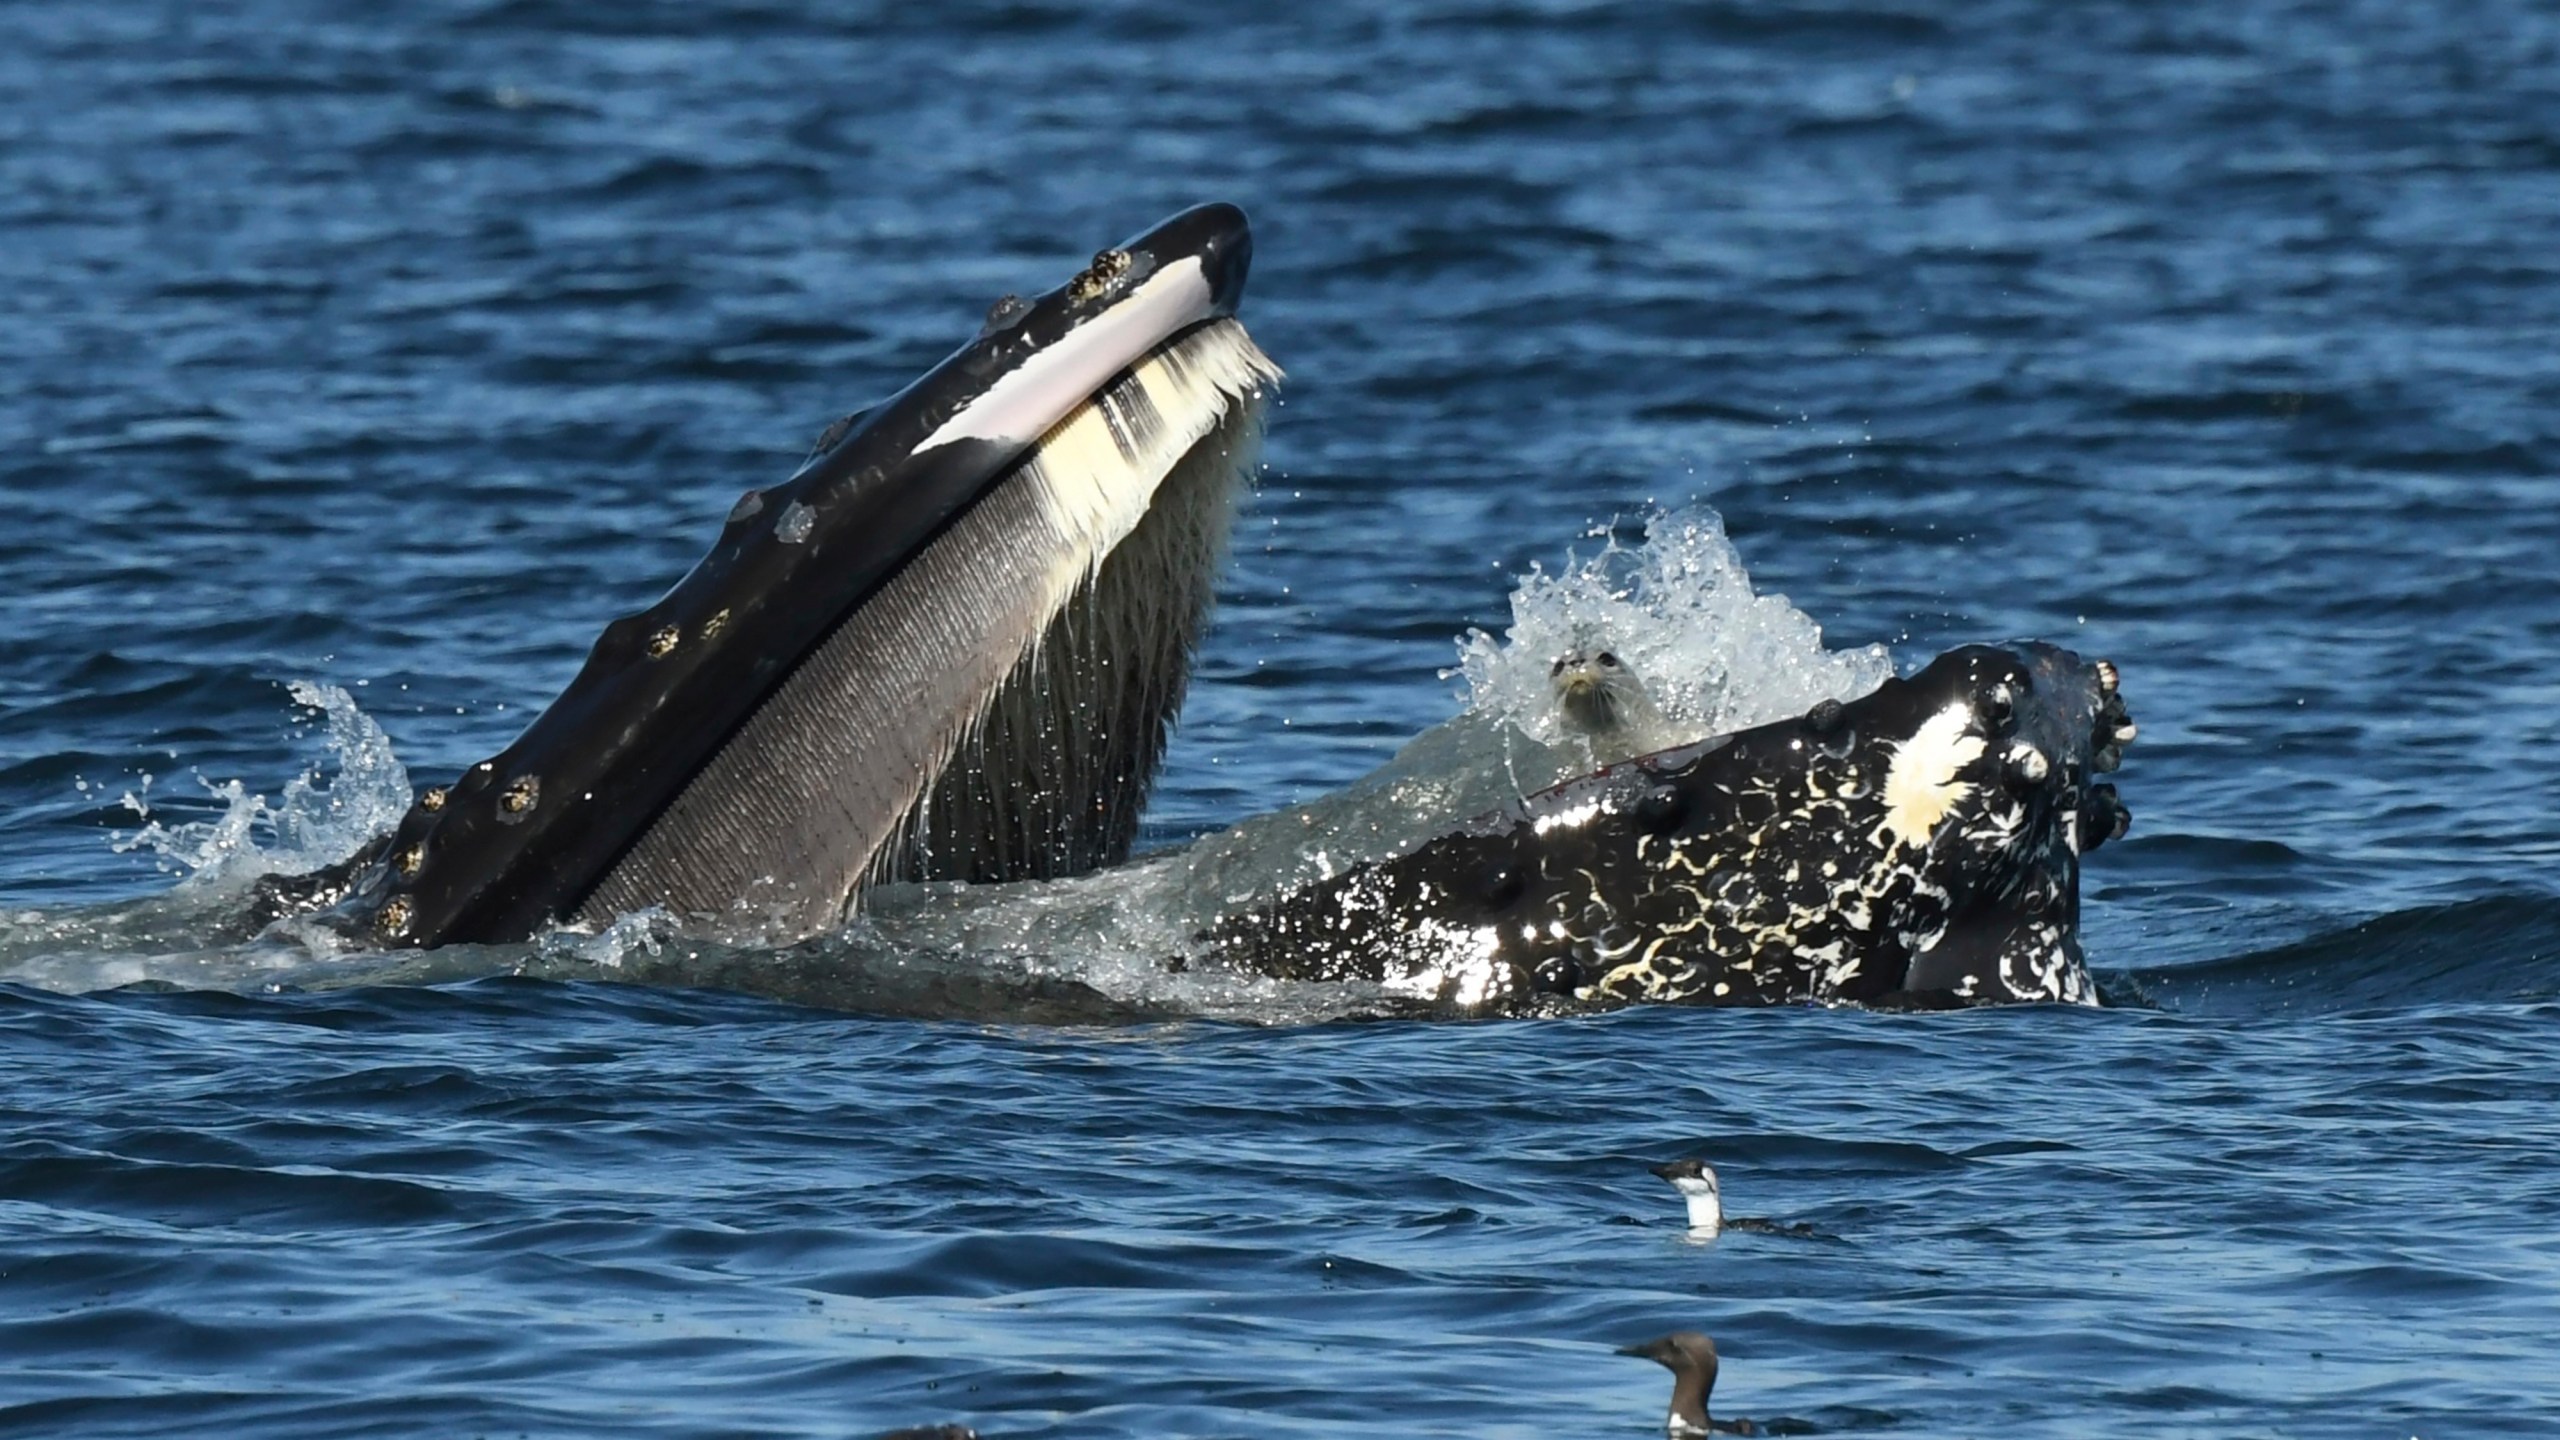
(1218, 236)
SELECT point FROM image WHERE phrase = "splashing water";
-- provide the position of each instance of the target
(1679, 610)
(641, 934)
(319, 819)
(196, 934)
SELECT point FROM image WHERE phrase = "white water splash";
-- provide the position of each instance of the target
(1678, 608)
(640, 933)
(323, 815)
(1680, 611)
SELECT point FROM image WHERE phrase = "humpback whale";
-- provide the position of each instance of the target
(950, 647)
(1918, 846)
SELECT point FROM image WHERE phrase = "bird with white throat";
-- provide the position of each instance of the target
(1696, 1182)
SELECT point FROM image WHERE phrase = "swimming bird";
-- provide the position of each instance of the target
(1696, 1182)
(1691, 1359)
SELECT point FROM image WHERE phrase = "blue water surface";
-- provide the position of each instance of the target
(399, 351)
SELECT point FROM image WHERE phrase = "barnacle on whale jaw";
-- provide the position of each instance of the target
(1096, 279)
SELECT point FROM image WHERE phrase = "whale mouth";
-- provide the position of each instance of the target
(885, 664)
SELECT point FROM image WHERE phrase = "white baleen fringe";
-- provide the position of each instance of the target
(1050, 735)
(1096, 471)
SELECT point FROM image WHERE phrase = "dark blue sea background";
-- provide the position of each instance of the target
(397, 349)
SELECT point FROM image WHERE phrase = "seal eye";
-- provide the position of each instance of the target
(1608, 660)
(1558, 667)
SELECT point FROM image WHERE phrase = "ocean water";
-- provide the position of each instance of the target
(355, 368)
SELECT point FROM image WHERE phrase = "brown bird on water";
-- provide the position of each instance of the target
(1691, 1359)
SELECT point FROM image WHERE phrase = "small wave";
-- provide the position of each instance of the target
(319, 819)
(47, 1173)
(198, 933)
(2497, 950)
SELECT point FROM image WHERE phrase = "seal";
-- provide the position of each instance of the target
(1918, 846)
(1602, 701)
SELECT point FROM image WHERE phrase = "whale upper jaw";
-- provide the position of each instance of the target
(1919, 846)
(918, 561)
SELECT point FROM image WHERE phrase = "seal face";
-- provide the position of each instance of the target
(1601, 700)
(1889, 850)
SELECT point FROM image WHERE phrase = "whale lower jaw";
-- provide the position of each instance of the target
(996, 710)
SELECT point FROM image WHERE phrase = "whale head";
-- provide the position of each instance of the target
(1919, 845)
(886, 665)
